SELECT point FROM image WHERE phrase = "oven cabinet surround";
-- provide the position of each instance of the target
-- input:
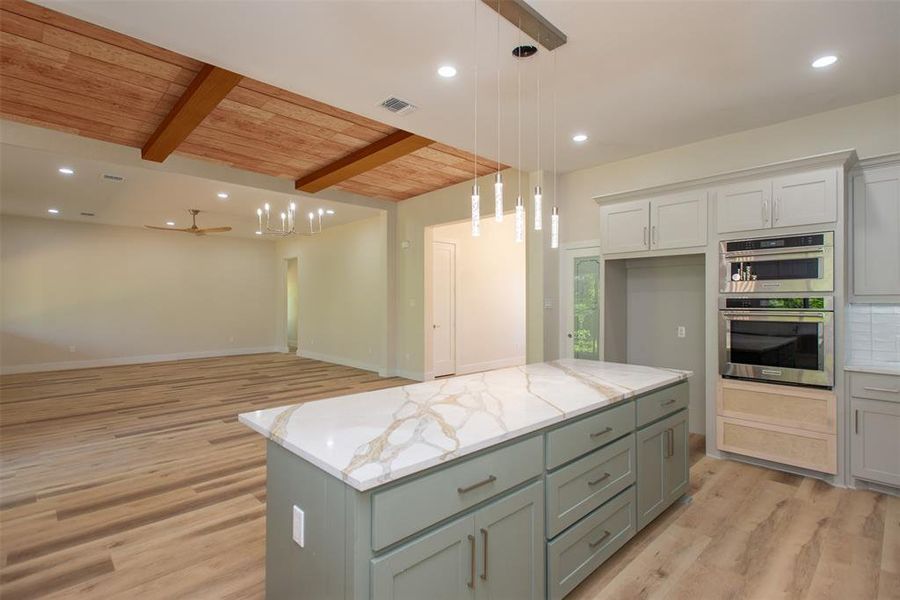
(876, 232)
(805, 198)
(780, 423)
(662, 223)
(528, 515)
(875, 438)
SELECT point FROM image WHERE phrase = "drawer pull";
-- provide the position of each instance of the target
(602, 539)
(471, 582)
(599, 433)
(600, 479)
(880, 389)
(668, 402)
(469, 488)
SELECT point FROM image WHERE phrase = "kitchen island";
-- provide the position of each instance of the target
(514, 483)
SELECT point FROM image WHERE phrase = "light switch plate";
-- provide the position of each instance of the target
(681, 331)
(299, 522)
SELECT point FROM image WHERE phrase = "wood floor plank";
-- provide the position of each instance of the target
(139, 482)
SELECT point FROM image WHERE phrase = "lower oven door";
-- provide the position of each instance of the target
(779, 346)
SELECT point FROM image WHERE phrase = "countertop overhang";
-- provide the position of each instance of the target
(372, 438)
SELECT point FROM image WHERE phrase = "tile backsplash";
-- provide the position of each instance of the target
(873, 334)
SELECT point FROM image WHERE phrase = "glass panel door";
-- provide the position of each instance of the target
(586, 308)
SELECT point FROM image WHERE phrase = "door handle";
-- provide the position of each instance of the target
(881, 389)
(471, 582)
(604, 431)
(668, 402)
(600, 479)
(671, 443)
(653, 236)
(644, 238)
(570, 336)
(435, 326)
(765, 211)
(856, 421)
(484, 565)
(469, 488)
(775, 207)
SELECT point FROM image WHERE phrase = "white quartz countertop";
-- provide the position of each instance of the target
(372, 438)
(878, 368)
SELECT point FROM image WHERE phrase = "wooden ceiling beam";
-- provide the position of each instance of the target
(388, 148)
(207, 89)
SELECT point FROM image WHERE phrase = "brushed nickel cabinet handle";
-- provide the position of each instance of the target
(644, 238)
(668, 402)
(765, 211)
(600, 479)
(602, 539)
(471, 582)
(856, 421)
(469, 488)
(599, 433)
(484, 537)
(671, 443)
(881, 389)
(654, 238)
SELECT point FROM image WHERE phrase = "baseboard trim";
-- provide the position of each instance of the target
(414, 375)
(502, 363)
(340, 360)
(133, 360)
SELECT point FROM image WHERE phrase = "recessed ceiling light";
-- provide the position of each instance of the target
(170, 223)
(222, 195)
(579, 137)
(67, 170)
(53, 211)
(447, 71)
(824, 61)
(259, 233)
(329, 211)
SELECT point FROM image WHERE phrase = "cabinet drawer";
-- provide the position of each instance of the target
(578, 488)
(404, 509)
(579, 551)
(813, 410)
(659, 404)
(807, 449)
(875, 387)
(572, 440)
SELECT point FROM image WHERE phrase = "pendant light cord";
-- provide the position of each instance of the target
(519, 110)
(498, 91)
(555, 135)
(475, 47)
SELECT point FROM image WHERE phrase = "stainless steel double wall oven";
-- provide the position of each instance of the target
(785, 338)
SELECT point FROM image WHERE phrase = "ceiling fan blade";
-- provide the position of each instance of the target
(215, 229)
(165, 228)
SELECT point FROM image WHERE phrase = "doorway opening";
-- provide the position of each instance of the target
(474, 298)
(292, 302)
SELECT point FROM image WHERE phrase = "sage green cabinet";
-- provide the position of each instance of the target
(437, 565)
(495, 553)
(875, 443)
(662, 466)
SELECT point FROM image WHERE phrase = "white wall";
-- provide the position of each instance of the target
(872, 128)
(342, 290)
(490, 294)
(77, 294)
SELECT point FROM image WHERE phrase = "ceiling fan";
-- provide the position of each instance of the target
(193, 228)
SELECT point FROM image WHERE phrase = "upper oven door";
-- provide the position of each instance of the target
(778, 270)
(785, 346)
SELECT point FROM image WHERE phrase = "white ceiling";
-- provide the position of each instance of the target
(636, 76)
(30, 184)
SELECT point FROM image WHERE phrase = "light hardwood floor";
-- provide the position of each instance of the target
(138, 482)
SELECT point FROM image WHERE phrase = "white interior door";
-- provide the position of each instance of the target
(580, 294)
(443, 308)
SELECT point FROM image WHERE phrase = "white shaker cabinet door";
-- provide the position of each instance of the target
(678, 220)
(625, 227)
(805, 198)
(744, 206)
(876, 232)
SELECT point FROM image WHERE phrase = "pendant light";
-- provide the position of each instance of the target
(538, 193)
(520, 206)
(554, 215)
(476, 197)
(498, 182)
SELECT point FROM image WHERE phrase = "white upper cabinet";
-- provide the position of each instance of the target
(744, 206)
(678, 221)
(625, 227)
(876, 232)
(805, 198)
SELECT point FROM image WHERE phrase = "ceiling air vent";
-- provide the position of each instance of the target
(110, 178)
(398, 106)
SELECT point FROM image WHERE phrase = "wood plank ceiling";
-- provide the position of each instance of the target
(63, 73)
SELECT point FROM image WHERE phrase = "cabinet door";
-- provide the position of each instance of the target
(875, 443)
(678, 221)
(625, 227)
(744, 206)
(805, 198)
(510, 553)
(675, 458)
(662, 466)
(439, 565)
(876, 232)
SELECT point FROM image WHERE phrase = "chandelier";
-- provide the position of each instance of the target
(288, 224)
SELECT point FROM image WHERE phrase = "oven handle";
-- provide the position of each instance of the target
(821, 316)
(811, 251)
